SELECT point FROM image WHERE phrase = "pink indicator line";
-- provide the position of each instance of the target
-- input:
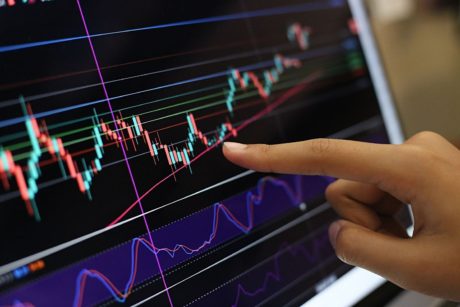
(290, 93)
(149, 143)
(183, 158)
(139, 123)
(167, 154)
(192, 119)
(98, 68)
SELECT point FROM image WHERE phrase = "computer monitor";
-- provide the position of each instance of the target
(114, 189)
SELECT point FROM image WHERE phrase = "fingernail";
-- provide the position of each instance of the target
(235, 146)
(333, 232)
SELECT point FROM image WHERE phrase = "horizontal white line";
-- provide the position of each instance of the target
(259, 264)
(373, 122)
(289, 225)
(14, 265)
(295, 282)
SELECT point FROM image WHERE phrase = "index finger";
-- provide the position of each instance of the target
(365, 162)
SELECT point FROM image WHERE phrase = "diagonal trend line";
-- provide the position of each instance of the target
(278, 102)
(96, 62)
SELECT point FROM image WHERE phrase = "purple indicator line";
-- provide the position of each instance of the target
(290, 264)
(116, 273)
(310, 255)
(125, 156)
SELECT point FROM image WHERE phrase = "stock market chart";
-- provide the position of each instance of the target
(113, 186)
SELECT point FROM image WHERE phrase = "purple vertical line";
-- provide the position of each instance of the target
(96, 62)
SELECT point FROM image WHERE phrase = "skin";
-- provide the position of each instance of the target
(376, 182)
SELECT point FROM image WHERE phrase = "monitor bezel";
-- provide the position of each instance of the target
(345, 292)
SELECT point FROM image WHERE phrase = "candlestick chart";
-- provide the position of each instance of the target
(112, 116)
(131, 131)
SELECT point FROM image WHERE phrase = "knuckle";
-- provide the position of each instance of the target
(417, 155)
(320, 146)
(265, 151)
(402, 152)
(421, 157)
(424, 136)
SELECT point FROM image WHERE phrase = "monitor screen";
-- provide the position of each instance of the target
(113, 186)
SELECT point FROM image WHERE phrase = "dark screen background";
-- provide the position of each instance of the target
(162, 74)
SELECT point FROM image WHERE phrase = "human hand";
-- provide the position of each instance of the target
(377, 181)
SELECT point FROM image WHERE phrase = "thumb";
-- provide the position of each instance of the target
(387, 256)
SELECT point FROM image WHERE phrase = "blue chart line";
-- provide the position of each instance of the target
(258, 13)
(252, 199)
(269, 63)
(113, 274)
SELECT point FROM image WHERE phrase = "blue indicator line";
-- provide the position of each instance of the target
(254, 198)
(258, 13)
(18, 120)
(261, 65)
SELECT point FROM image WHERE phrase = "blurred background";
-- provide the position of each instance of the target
(419, 41)
(420, 44)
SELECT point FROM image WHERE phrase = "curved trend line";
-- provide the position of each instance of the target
(278, 102)
(252, 200)
(293, 250)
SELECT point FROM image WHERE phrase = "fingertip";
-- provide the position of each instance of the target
(234, 147)
(231, 150)
(237, 153)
